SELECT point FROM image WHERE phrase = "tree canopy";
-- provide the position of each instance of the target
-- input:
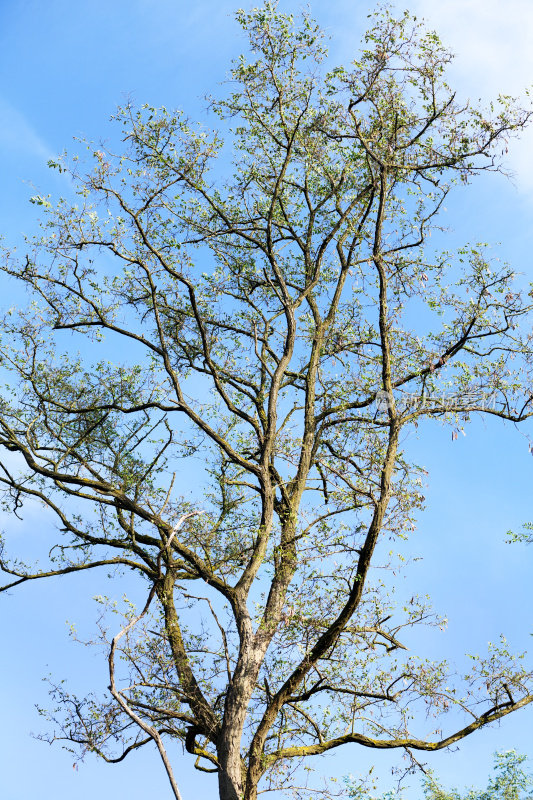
(510, 782)
(260, 319)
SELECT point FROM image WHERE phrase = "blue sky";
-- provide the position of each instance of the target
(65, 67)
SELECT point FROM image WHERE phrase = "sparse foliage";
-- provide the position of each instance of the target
(510, 782)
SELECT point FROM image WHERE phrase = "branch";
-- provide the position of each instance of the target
(387, 744)
(65, 571)
(152, 732)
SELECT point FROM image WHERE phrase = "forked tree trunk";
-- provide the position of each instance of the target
(229, 781)
(230, 778)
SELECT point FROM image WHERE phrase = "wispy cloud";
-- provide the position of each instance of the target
(18, 136)
(492, 44)
(492, 41)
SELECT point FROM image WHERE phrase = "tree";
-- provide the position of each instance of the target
(509, 783)
(274, 333)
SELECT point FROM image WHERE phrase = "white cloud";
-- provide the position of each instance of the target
(492, 40)
(18, 136)
(492, 43)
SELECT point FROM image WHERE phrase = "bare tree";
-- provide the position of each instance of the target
(271, 335)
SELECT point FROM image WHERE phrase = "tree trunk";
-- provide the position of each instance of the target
(229, 772)
(230, 778)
